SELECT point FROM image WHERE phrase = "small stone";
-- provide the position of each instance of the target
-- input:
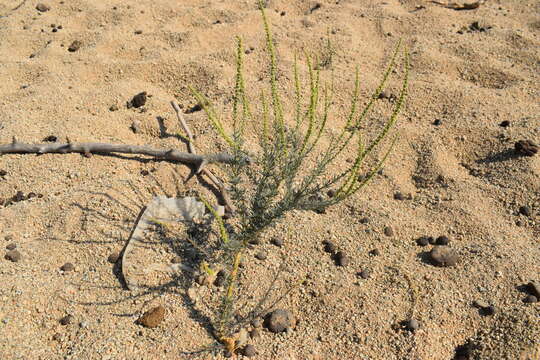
(331, 193)
(138, 32)
(437, 122)
(42, 7)
(249, 351)
(364, 220)
(3, 173)
(443, 256)
(261, 255)
(113, 107)
(113, 257)
(432, 240)
(364, 274)
(57, 337)
(135, 127)
(221, 278)
(423, 240)
(66, 320)
(342, 259)
(153, 317)
(375, 252)
(51, 138)
(488, 311)
(384, 95)
(13, 255)
(399, 196)
(388, 231)
(526, 147)
(412, 325)
(139, 99)
(505, 123)
(277, 241)
(145, 172)
(329, 247)
(525, 210)
(442, 240)
(279, 321)
(19, 196)
(255, 333)
(11, 246)
(530, 299)
(254, 240)
(75, 45)
(67, 267)
(534, 288)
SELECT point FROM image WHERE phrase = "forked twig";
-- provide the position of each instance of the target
(201, 166)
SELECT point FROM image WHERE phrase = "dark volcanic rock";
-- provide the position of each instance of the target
(279, 321)
(526, 148)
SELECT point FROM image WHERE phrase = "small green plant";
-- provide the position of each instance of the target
(289, 169)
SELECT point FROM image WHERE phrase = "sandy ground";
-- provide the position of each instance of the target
(470, 71)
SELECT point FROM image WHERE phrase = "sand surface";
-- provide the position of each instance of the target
(454, 164)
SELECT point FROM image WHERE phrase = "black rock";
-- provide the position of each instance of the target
(505, 123)
(341, 259)
(388, 231)
(221, 278)
(329, 247)
(277, 241)
(399, 196)
(51, 138)
(526, 147)
(67, 267)
(530, 299)
(423, 240)
(442, 240)
(525, 210)
(75, 45)
(249, 351)
(139, 100)
(66, 320)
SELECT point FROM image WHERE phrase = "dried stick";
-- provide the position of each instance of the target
(201, 169)
(103, 148)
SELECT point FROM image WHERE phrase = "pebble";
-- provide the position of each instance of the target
(488, 311)
(113, 107)
(526, 148)
(442, 240)
(505, 123)
(255, 333)
(412, 325)
(331, 193)
(13, 255)
(443, 256)
(279, 321)
(384, 95)
(11, 246)
(530, 299)
(42, 7)
(113, 257)
(399, 196)
(364, 274)
(375, 252)
(388, 231)
(135, 127)
(534, 288)
(57, 337)
(277, 241)
(51, 138)
(254, 240)
(67, 267)
(364, 220)
(153, 317)
(66, 320)
(221, 278)
(138, 32)
(423, 240)
(342, 259)
(525, 210)
(249, 351)
(329, 246)
(261, 255)
(3, 173)
(75, 45)
(139, 99)
(437, 122)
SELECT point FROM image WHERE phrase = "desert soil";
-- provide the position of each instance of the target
(68, 69)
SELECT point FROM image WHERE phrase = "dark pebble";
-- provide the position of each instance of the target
(375, 252)
(261, 255)
(255, 240)
(505, 123)
(279, 321)
(488, 311)
(364, 220)
(277, 241)
(331, 193)
(57, 337)
(138, 32)
(525, 210)
(75, 45)
(42, 7)
(113, 257)
(11, 246)
(113, 107)
(51, 138)
(443, 256)
(13, 255)
(526, 147)
(66, 320)
(534, 288)
(432, 240)
(423, 240)
(249, 351)
(388, 231)
(54, 30)
(145, 172)
(442, 240)
(399, 196)
(329, 247)
(139, 100)
(384, 95)
(221, 278)
(364, 274)
(67, 267)
(255, 333)
(412, 325)
(342, 259)
(3, 173)
(437, 122)
(530, 299)
(19, 196)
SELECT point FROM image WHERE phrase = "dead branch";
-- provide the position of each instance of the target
(201, 169)
(103, 148)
